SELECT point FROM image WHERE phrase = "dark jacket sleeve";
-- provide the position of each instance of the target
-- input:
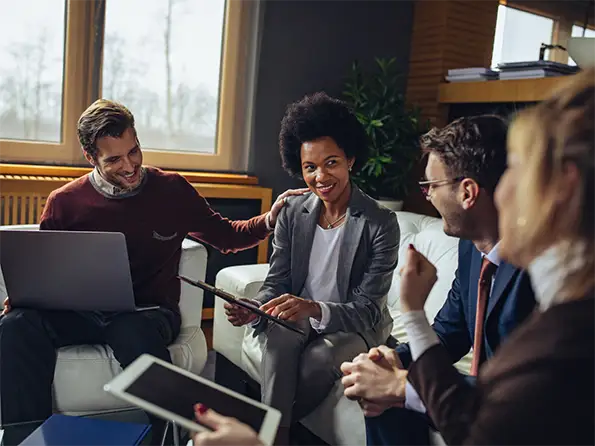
(449, 324)
(528, 393)
(223, 234)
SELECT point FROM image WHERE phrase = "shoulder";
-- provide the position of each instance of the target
(168, 182)
(79, 187)
(296, 204)
(157, 175)
(374, 212)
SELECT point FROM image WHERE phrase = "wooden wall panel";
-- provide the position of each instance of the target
(447, 34)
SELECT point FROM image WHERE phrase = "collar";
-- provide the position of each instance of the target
(110, 190)
(356, 205)
(493, 256)
(550, 269)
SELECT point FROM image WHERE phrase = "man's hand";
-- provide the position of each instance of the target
(377, 384)
(7, 306)
(239, 316)
(418, 276)
(279, 202)
(292, 308)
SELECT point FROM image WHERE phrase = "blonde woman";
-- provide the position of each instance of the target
(539, 387)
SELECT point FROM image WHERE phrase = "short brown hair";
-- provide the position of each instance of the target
(555, 132)
(473, 147)
(102, 118)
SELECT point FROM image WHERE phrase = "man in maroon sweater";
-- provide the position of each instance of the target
(155, 210)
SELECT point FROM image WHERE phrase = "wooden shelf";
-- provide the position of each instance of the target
(514, 90)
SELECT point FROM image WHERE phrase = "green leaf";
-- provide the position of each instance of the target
(393, 128)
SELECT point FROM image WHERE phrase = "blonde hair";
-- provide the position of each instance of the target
(555, 132)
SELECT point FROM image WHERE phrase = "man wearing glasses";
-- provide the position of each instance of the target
(488, 298)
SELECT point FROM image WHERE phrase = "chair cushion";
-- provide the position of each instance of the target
(84, 369)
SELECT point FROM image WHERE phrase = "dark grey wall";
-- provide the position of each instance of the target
(308, 46)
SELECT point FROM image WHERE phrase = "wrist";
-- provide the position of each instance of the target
(408, 308)
(400, 383)
(268, 222)
(315, 311)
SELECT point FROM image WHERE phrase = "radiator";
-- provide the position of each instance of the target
(20, 208)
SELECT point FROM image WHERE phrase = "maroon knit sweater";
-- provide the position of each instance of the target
(154, 222)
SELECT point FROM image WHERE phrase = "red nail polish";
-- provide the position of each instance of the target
(201, 408)
(411, 246)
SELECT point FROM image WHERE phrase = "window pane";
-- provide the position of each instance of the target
(577, 31)
(162, 60)
(32, 55)
(519, 35)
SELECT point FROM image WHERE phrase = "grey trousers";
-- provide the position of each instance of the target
(298, 372)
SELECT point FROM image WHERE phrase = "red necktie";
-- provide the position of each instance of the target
(483, 292)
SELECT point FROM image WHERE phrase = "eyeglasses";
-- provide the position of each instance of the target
(426, 185)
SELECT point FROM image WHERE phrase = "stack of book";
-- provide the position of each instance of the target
(535, 69)
(471, 75)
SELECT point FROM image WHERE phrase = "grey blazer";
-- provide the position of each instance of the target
(367, 260)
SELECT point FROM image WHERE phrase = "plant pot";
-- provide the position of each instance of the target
(393, 205)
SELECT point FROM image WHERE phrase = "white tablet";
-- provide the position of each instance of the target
(171, 393)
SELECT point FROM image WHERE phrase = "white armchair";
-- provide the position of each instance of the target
(337, 420)
(81, 371)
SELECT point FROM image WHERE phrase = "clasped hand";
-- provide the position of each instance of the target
(286, 307)
(376, 380)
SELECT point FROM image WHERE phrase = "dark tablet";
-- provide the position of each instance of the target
(233, 300)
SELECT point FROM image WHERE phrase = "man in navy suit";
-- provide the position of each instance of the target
(465, 162)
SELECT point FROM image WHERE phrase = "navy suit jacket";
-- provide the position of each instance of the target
(510, 302)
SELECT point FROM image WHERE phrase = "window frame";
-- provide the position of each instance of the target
(77, 46)
(80, 69)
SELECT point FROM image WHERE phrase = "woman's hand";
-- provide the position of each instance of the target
(226, 431)
(292, 308)
(7, 306)
(239, 316)
(418, 276)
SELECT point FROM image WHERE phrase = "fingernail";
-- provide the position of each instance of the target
(201, 408)
(411, 246)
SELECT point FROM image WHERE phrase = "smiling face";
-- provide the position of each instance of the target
(119, 160)
(444, 196)
(325, 169)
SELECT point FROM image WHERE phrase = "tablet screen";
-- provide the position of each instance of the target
(178, 394)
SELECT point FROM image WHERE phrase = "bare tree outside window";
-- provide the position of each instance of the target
(31, 72)
(162, 59)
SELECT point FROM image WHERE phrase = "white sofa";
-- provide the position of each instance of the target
(81, 371)
(338, 420)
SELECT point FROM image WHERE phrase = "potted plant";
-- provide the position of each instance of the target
(393, 131)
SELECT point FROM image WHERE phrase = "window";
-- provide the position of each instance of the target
(165, 66)
(173, 63)
(577, 31)
(31, 73)
(519, 35)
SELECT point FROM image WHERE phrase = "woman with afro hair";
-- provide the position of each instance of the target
(335, 250)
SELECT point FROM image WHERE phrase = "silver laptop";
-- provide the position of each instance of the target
(67, 270)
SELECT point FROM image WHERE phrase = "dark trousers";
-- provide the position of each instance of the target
(398, 426)
(29, 340)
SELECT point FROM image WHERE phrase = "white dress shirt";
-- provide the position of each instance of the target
(421, 339)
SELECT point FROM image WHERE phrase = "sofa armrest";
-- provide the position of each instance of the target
(242, 281)
(193, 264)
